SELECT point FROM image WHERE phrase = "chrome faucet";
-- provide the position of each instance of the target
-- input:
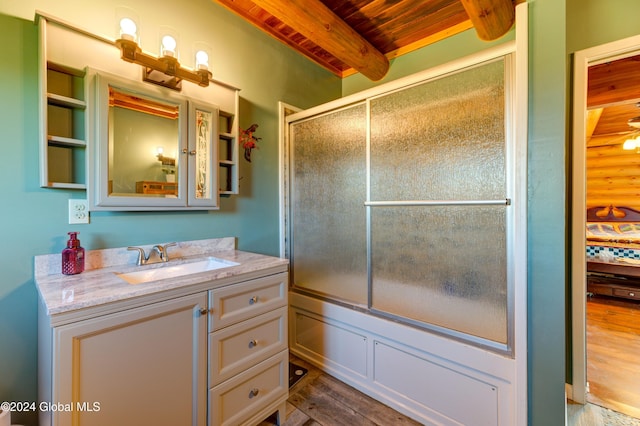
(143, 258)
(162, 251)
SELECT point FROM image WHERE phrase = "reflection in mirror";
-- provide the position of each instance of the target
(143, 145)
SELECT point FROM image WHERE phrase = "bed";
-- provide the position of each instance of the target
(613, 252)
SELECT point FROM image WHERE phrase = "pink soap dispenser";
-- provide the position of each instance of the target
(73, 256)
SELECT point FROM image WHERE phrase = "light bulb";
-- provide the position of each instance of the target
(629, 144)
(202, 60)
(168, 47)
(128, 29)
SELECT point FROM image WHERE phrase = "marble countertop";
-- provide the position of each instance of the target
(99, 284)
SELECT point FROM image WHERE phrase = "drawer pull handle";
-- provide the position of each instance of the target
(253, 300)
(254, 392)
(204, 311)
(632, 294)
(253, 343)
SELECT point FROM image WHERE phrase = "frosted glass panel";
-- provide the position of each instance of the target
(442, 265)
(441, 140)
(328, 215)
(445, 266)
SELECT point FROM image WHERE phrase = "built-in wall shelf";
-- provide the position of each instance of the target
(62, 122)
(228, 153)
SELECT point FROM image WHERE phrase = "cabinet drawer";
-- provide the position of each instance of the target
(236, 400)
(629, 293)
(235, 348)
(238, 302)
(597, 288)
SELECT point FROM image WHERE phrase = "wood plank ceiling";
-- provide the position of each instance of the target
(348, 36)
(613, 96)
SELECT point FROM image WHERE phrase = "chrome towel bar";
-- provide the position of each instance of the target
(505, 202)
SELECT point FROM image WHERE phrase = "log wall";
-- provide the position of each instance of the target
(613, 176)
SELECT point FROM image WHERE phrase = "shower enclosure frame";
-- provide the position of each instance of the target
(378, 355)
(365, 102)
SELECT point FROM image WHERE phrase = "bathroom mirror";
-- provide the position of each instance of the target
(141, 151)
(143, 144)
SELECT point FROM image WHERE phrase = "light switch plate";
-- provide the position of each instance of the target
(78, 211)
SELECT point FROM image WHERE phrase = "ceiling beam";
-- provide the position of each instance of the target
(319, 24)
(491, 18)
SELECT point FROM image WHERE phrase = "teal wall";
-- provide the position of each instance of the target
(34, 221)
(547, 227)
(592, 23)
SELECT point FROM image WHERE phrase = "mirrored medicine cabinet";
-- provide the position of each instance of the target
(130, 145)
(154, 148)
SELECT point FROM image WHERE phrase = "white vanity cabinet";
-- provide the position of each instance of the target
(248, 356)
(213, 355)
(145, 365)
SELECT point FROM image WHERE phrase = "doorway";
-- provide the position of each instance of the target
(592, 317)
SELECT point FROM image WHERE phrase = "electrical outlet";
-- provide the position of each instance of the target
(78, 211)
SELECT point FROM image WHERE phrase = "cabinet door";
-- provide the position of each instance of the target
(203, 154)
(141, 145)
(144, 366)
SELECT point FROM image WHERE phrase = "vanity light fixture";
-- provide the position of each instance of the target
(165, 71)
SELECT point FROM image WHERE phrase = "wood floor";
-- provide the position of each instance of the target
(319, 399)
(613, 354)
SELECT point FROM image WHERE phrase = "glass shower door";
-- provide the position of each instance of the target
(328, 227)
(438, 206)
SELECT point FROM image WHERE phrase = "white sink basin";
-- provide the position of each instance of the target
(209, 264)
